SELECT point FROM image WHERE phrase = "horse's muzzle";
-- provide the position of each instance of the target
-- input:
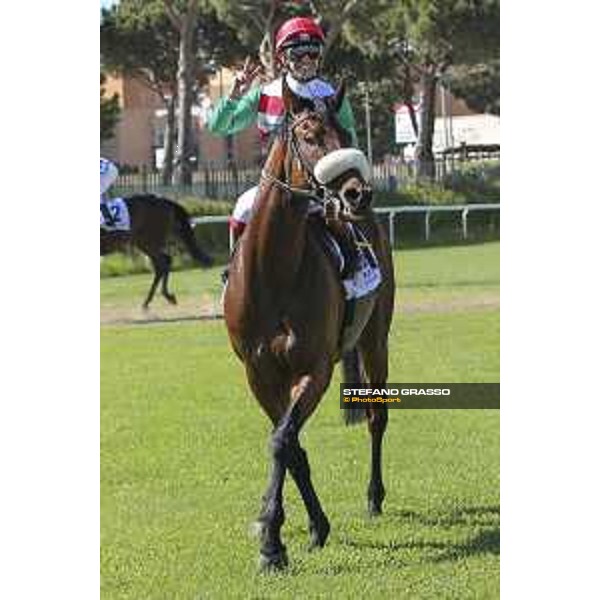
(356, 196)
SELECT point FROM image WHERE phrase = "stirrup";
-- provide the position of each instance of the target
(225, 275)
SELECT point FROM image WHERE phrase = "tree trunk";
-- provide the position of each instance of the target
(424, 150)
(266, 50)
(185, 84)
(167, 168)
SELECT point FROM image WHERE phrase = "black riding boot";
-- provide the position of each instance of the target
(108, 218)
(347, 242)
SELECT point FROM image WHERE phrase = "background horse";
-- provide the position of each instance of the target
(153, 221)
(284, 310)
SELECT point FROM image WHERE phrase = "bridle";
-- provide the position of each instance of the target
(333, 205)
(318, 192)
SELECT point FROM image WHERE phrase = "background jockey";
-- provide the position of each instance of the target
(108, 175)
(299, 46)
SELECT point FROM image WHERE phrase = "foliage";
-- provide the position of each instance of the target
(139, 40)
(469, 183)
(478, 85)
(419, 40)
(109, 112)
(478, 182)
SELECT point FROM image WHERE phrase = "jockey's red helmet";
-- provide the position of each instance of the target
(300, 30)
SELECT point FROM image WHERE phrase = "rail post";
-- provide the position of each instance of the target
(465, 231)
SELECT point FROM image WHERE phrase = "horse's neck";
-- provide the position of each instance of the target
(279, 225)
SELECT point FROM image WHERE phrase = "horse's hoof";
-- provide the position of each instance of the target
(256, 529)
(374, 508)
(171, 299)
(319, 534)
(276, 561)
(145, 306)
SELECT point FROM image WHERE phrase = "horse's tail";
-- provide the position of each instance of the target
(186, 234)
(353, 373)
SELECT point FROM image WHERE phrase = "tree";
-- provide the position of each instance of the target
(422, 39)
(184, 21)
(258, 21)
(184, 18)
(478, 85)
(142, 45)
(138, 39)
(109, 112)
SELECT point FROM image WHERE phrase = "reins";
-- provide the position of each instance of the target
(318, 192)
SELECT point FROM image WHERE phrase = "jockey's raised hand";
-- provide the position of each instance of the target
(244, 78)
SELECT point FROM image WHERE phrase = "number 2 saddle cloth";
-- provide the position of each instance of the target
(119, 214)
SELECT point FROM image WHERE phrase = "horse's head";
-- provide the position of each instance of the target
(321, 146)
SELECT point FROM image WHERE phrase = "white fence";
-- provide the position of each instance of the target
(393, 213)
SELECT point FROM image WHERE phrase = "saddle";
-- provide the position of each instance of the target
(351, 254)
(338, 242)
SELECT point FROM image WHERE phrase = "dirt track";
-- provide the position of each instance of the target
(211, 310)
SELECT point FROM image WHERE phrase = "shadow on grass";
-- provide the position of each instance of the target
(441, 284)
(485, 538)
(474, 515)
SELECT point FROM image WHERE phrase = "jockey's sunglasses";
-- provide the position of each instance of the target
(313, 51)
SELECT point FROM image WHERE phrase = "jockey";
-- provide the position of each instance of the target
(108, 175)
(299, 48)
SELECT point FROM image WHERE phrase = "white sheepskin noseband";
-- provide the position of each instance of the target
(340, 161)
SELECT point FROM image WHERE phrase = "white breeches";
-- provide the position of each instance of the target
(244, 206)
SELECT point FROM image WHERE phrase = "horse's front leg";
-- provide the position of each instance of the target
(157, 277)
(273, 553)
(306, 393)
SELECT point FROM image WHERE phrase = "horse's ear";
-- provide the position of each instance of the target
(338, 97)
(293, 104)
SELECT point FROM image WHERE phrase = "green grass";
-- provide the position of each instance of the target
(439, 274)
(185, 461)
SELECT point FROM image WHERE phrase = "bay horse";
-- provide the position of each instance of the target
(153, 220)
(284, 309)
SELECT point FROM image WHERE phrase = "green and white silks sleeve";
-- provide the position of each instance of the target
(232, 116)
(346, 118)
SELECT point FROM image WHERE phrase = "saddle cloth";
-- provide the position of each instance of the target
(120, 214)
(367, 275)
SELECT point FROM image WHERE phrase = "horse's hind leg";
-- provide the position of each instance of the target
(158, 274)
(375, 359)
(166, 264)
(353, 373)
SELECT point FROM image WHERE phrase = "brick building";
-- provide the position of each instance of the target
(139, 135)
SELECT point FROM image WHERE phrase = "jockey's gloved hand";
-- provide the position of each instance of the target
(244, 78)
